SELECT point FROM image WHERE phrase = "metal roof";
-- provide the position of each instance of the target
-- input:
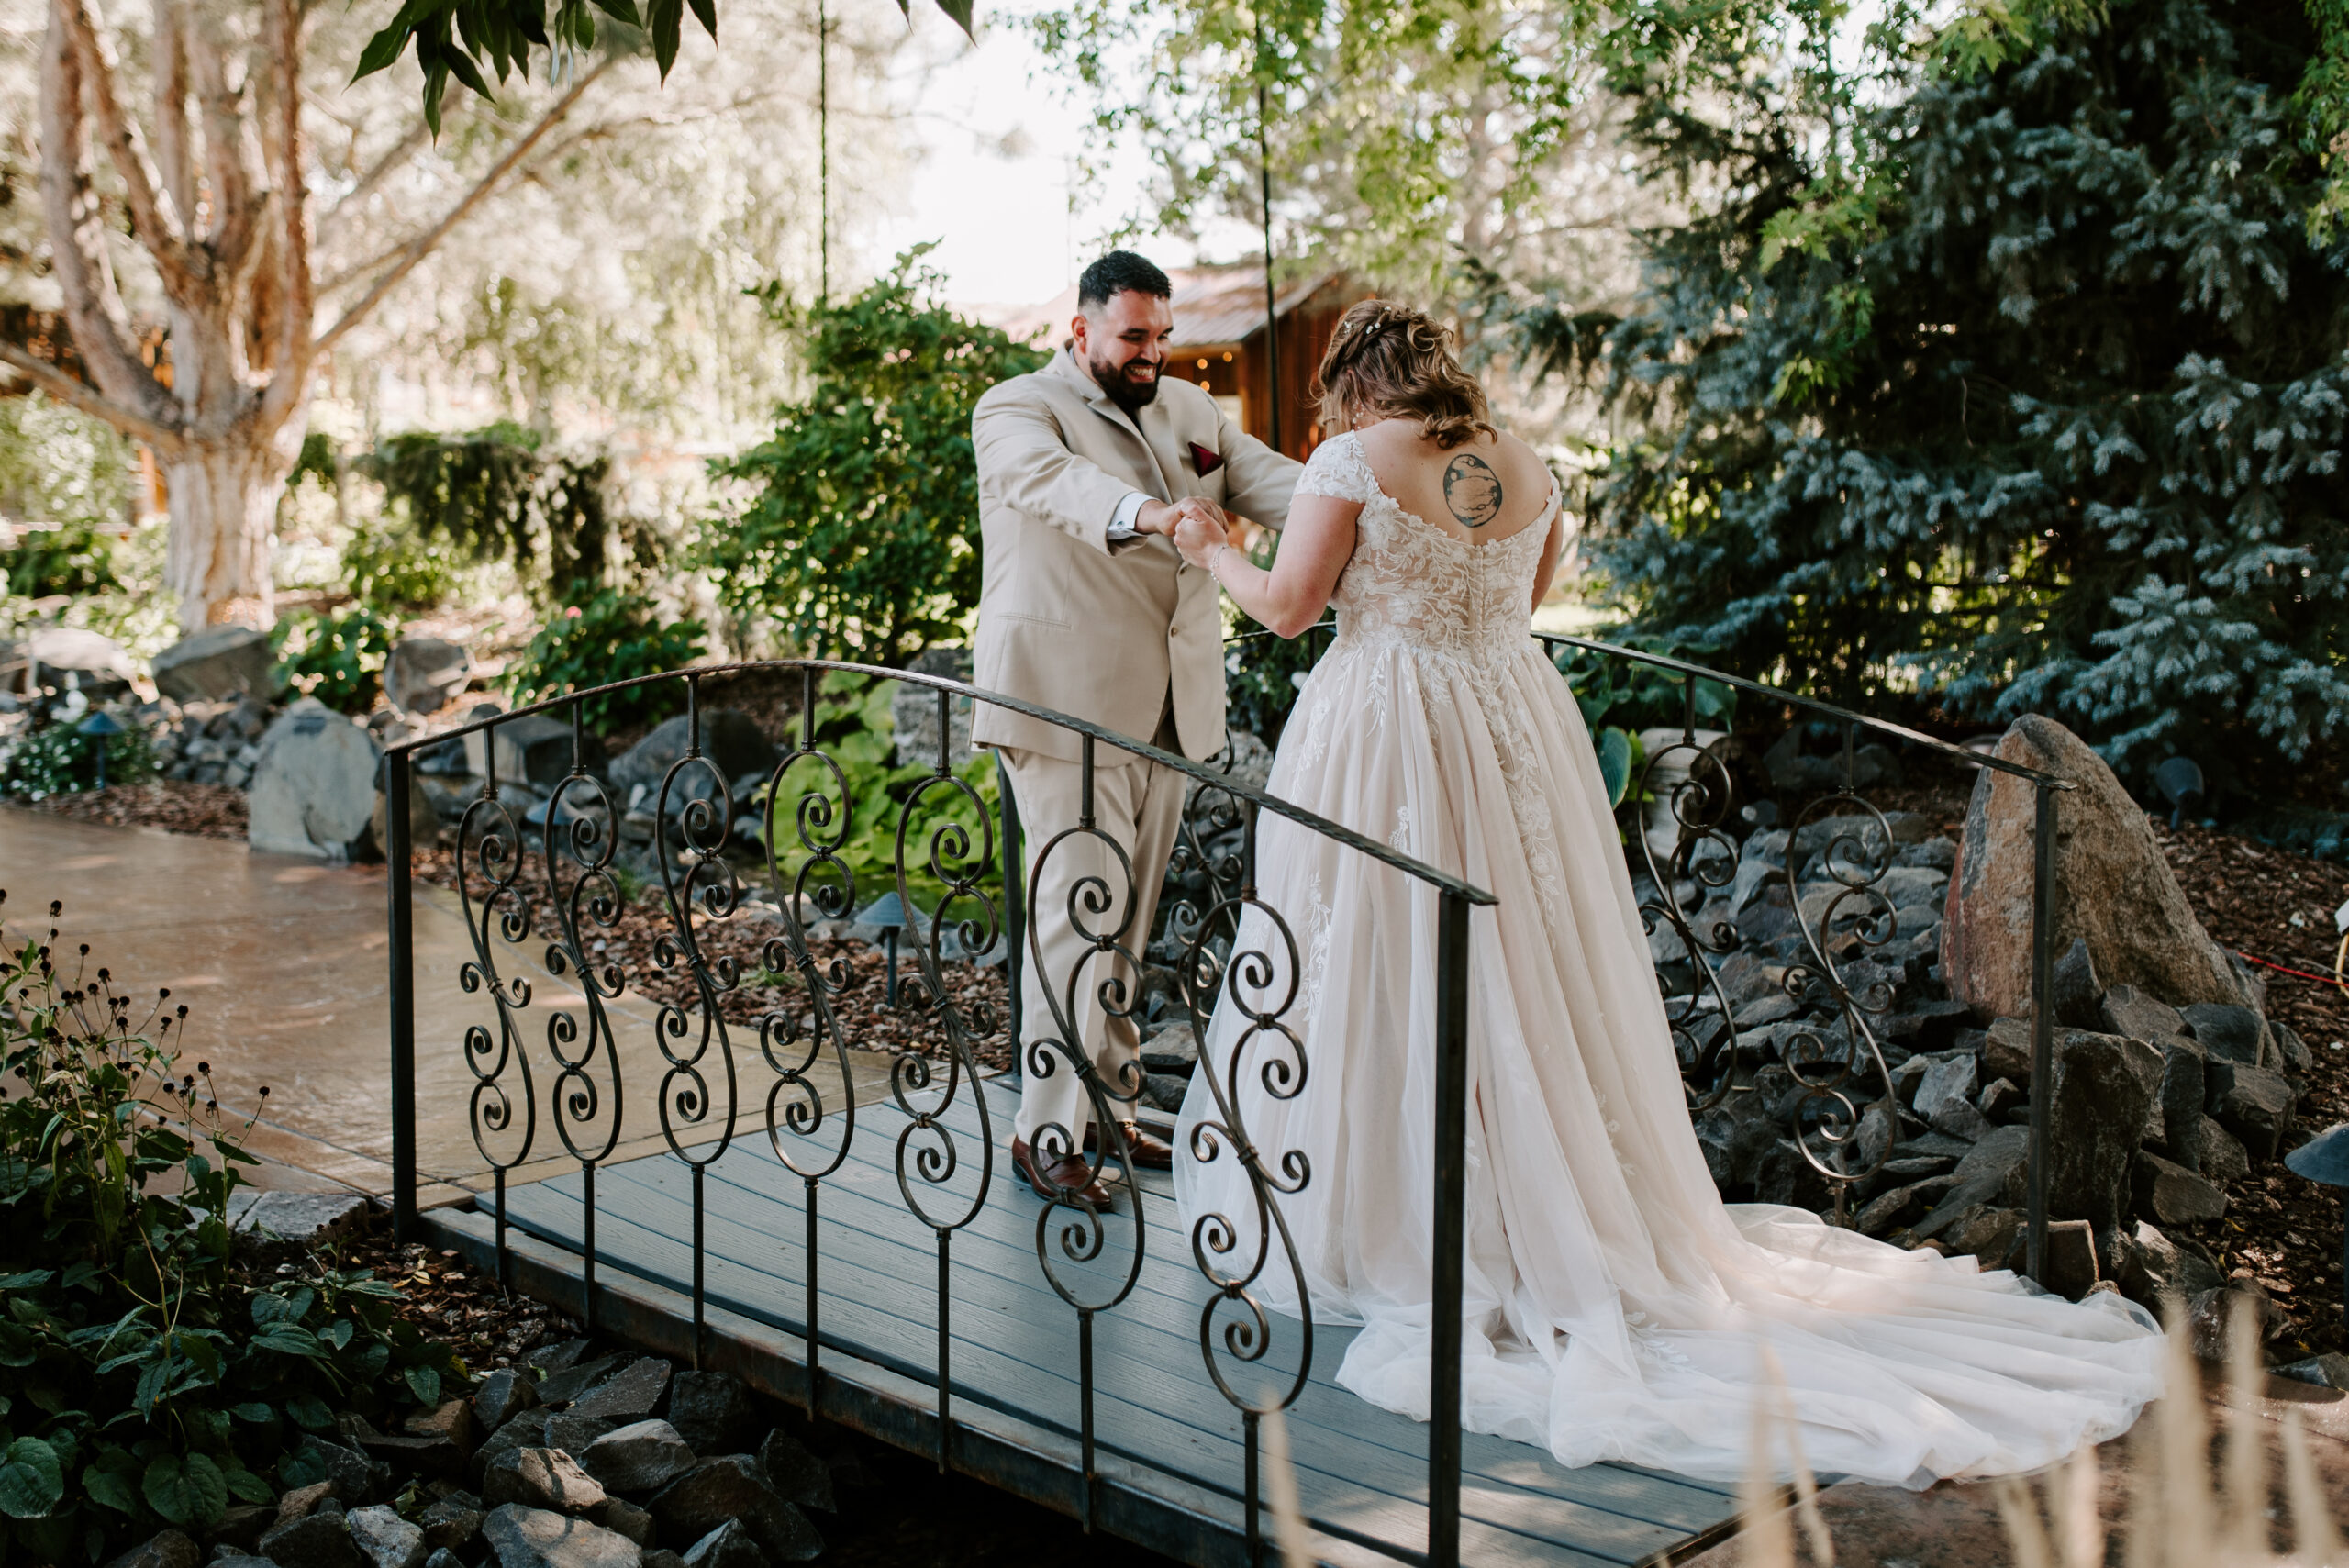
(1214, 307)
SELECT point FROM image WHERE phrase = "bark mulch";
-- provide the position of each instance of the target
(176, 805)
(634, 939)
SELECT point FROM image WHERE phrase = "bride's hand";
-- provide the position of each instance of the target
(1197, 539)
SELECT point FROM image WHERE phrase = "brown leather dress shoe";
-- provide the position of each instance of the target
(1149, 1153)
(1068, 1179)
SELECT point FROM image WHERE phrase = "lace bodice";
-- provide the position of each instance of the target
(1411, 582)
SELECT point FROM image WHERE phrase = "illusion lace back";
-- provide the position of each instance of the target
(1617, 1309)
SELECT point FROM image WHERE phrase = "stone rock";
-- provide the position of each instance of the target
(2330, 1370)
(661, 1557)
(913, 711)
(2224, 1159)
(560, 1388)
(1914, 887)
(240, 1529)
(423, 675)
(735, 1486)
(298, 1502)
(314, 787)
(2117, 890)
(2003, 1156)
(303, 1217)
(2104, 1089)
(1961, 1120)
(549, 1359)
(453, 1419)
(68, 658)
(533, 1537)
(623, 1518)
(577, 1434)
(2212, 1316)
(217, 665)
(385, 1539)
(631, 1394)
(541, 1478)
(1785, 1175)
(2071, 1264)
(164, 1549)
(642, 1457)
(797, 1474)
(2182, 1094)
(451, 1524)
(535, 749)
(354, 1479)
(444, 1558)
(1951, 1078)
(2002, 1100)
(2127, 1010)
(1174, 1049)
(225, 1555)
(2079, 999)
(2226, 1031)
(729, 738)
(502, 1395)
(527, 1428)
(423, 818)
(2172, 1194)
(2252, 1103)
(2006, 1051)
(2154, 1270)
(2290, 1048)
(711, 1410)
(319, 1539)
(1988, 1234)
(1959, 1206)
(1884, 1211)
(728, 1546)
(1735, 1135)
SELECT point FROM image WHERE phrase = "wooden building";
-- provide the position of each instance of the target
(1220, 342)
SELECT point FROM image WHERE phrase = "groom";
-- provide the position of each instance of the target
(1084, 468)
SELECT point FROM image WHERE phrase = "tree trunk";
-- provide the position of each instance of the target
(224, 514)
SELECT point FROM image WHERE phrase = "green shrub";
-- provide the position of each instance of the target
(145, 1380)
(337, 659)
(393, 569)
(861, 540)
(54, 757)
(614, 635)
(74, 559)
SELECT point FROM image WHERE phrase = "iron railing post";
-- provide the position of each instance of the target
(1450, 1228)
(1015, 920)
(2043, 1023)
(397, 783)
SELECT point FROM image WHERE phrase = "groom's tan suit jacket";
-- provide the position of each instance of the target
(1068, 618)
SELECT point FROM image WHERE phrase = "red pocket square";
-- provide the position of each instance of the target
(1206, 462)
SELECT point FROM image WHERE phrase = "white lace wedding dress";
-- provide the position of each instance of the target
(1617, 1309)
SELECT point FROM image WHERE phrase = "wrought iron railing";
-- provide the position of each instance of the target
(561, 856)
(552, 870)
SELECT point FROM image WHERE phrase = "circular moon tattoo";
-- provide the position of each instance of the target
(1472, 490)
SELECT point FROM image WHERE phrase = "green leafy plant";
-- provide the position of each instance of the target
(496, 492)
(145, 1378)
(54, 757)
(337, 659)
(73, 559)
(394, 571)
(1262, 674)
(858, 732)
(613, 636)
(861, 537)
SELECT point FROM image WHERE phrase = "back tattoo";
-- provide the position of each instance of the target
(1472, 490)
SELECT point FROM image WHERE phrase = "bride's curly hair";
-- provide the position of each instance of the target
(1389, 360)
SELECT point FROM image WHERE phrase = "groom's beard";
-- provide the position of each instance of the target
(1125, 389)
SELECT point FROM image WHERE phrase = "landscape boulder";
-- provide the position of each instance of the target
(2117, 891)
(165, 1549)
(729, 738)
(631, 1394)
(424, 674)
(314, 786)
(541, 1478)
(68, 658)
(2171, 1193)
(534, 1537)
(2252, 1104)
(794, 1473)
(535, 749)
(217, 665)
(709, 1410)
(321, 1538)
(502, 1395)
(452, 1523)
(913, 711)
(731, 1545)
(2226, 1031)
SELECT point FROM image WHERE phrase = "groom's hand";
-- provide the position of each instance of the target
(1165, 517)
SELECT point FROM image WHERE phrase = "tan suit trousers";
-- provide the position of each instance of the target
(1140, 806)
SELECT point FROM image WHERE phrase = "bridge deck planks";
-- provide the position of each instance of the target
(1360, 1469)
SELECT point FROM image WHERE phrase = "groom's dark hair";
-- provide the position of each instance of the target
(1116, 272)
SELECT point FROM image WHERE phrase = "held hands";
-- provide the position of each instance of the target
(1166, 517)
(1198, 537)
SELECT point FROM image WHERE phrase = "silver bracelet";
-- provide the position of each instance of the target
(1216, 557)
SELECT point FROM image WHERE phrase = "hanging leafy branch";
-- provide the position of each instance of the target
(492, 493)
(466, 39)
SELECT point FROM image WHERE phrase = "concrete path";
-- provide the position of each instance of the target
(283, 965)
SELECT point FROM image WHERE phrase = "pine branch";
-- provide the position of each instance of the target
(424, 244)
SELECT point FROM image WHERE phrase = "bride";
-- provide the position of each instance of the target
(1617, 1309)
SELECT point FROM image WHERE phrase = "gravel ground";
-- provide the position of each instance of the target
(209, 811)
